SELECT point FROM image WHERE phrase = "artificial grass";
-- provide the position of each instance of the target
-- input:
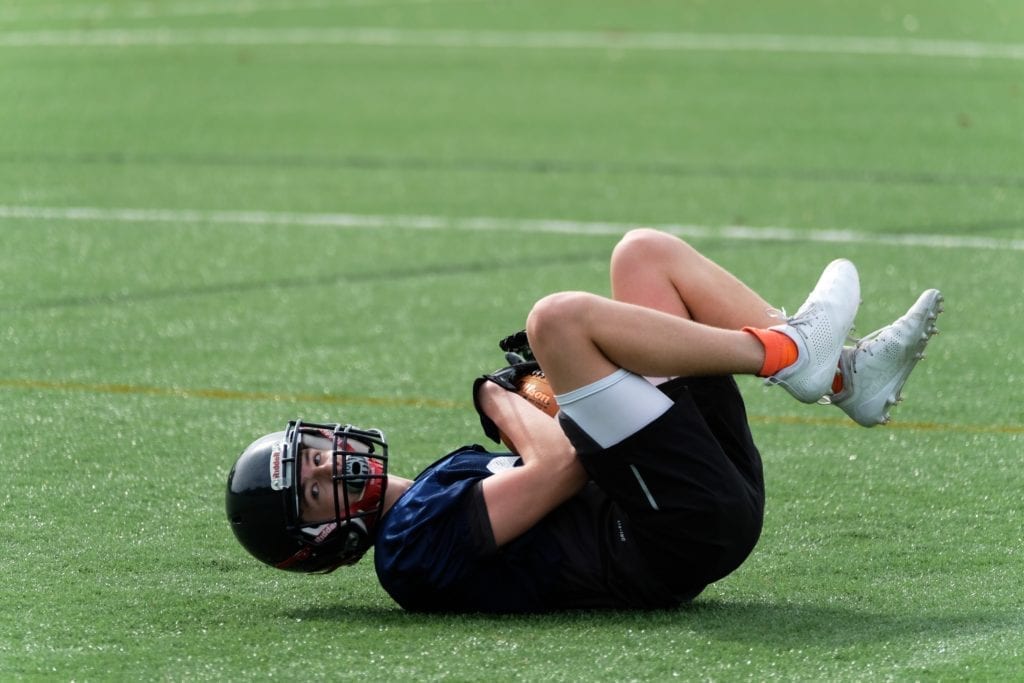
(139, 357)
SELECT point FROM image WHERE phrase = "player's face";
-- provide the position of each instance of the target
(316, 489)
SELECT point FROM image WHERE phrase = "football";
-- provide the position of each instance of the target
(535, 388)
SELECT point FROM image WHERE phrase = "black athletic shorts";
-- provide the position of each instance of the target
(690, 483)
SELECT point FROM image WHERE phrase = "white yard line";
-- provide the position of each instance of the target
(157, 10)
(492, 224)
(568, 40)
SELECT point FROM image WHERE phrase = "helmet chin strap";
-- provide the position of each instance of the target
(353, 543)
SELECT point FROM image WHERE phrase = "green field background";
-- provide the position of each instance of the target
(138, 355)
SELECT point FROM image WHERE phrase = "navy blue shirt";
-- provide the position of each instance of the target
(435, 550)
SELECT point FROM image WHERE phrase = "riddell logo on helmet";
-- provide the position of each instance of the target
(325, 531)
(277, 481)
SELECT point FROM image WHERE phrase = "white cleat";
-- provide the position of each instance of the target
(875, 370)
(819, 329)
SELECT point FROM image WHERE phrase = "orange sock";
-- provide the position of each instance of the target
(779, 350)
(837, 383)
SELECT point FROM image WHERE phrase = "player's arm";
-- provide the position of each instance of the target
(518, 498)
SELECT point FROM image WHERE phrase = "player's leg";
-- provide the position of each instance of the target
(580, 338)
(657, 270)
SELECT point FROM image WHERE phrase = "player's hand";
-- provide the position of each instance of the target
(507, 378)
(517, 347)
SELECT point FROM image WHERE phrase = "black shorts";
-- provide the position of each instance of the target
(690, 483)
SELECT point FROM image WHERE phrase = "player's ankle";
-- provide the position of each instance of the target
(780, 351)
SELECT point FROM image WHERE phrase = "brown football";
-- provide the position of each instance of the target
(536, 389)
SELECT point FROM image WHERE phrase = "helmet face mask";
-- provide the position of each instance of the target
(264, 496)
(359, 475)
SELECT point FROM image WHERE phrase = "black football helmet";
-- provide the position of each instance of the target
(264, 505)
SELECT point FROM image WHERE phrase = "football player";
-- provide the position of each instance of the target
(645, 489)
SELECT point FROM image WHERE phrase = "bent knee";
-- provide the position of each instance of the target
(557, 315)
(647, 246)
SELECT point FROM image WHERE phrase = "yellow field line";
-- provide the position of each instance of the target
(224, 394)
(899, 424)
(418, 402)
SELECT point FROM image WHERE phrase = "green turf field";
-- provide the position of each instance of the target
(217, 215)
